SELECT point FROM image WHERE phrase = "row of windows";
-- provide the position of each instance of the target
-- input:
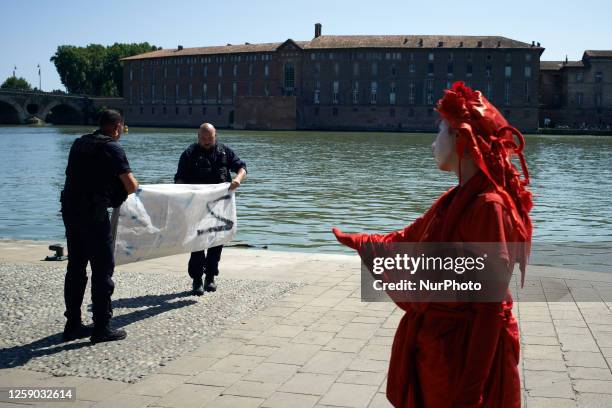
(252, 57)
(598, 77)
(579, 99)
(335, 111)
(177, 110)
(372, 91)
(289, 70)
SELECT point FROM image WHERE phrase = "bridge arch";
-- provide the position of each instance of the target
(62, 112)
(10, 111)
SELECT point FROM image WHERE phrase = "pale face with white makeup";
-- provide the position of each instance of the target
(444, 148)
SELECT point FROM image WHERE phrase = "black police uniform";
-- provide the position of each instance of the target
(201, 166)
(92, 185)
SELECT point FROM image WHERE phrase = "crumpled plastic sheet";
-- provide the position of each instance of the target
(168, 219)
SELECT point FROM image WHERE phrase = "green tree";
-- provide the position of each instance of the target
(95, 70)
(16, 83)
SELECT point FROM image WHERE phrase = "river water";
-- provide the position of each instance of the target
(300, 184)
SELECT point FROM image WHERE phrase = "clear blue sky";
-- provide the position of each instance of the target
(31, 30)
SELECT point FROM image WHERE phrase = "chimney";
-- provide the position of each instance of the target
(460, 43)
(440, 43)
(318, 27)
(533, 43)
(498, 44)
(180, 47)
(420, 42)
(538, 44)
(479, 44)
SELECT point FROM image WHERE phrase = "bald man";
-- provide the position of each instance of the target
(208, 162)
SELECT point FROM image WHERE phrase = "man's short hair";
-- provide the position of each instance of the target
(110, 117)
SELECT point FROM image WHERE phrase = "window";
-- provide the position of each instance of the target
(235, 70)
(176, 91)
(335, 91)
(450, 69)
(317, 92)
(355, 68)
(178, 72)
(508, 71)
(131, 74)
(598, 99)
(190, 93)
(579, 76)
(189, 110)
(219, 93)
(191, 71)
(429, 97)
(599, 77)
(356, 92)
(205, 71)
(266, 70)
(234, 90)
(392, 94)
(527, 92)
(220, 71)
(335, 111)
(430, 69)
(176, 110)
(289, 76)
(579, 99)
(141, 93)
(164, 93)
(507, 92)
(373, 92)
(336, 68)
(374, 68)
(528, 57)
(165, 72)
(250, 69)
(266, 90)
(204, 110)
(469, 69)
(393, 70)
(411, 95)
(204, 93)
(488, 71)
(152, 93)
(527, 72)
(430, 56)
(411, 68)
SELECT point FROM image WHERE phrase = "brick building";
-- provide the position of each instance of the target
(577, 94)
(387, 82)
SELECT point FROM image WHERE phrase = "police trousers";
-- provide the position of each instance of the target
(89, 241)
(202, 262)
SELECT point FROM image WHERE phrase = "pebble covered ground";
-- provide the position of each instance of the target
(161, 317)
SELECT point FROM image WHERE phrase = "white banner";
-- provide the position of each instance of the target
(168, 219)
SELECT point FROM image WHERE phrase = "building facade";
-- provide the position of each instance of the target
(389, 82)
(577, 94)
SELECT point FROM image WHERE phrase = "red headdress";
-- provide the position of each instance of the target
(484, 133)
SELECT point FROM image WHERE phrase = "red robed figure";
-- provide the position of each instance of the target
(464, 354)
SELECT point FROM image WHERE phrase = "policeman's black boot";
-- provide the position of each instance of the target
(106, 333)
(198, 287)
(209, 283)
(75, 330)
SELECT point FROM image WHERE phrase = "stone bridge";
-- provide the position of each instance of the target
(26, 107)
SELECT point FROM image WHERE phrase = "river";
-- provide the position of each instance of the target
(300, 184)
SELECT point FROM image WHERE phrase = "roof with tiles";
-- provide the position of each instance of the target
(348, 42)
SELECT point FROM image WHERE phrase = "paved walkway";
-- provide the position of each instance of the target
(321, 346)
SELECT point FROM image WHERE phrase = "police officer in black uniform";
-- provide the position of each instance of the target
(208, 162)
(98, 176)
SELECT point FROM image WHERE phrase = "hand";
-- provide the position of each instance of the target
(235, 184)
(350, 240)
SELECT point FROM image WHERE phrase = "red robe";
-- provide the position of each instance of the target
(455, 354)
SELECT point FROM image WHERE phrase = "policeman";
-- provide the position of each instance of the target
(98, 176)
(208, 162)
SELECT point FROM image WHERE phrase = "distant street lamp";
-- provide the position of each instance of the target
(39, 79)
(14, 70)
